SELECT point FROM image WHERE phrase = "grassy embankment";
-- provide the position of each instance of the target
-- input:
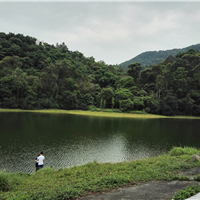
(74, 182)
(101, 113)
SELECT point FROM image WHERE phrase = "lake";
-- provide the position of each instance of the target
(70, 140)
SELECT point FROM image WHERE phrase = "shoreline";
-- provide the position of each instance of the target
(99, 113)
(92, 180)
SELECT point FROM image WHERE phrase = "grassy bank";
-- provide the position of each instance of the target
(74, 182)
(105, 113)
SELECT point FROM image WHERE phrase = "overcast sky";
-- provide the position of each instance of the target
(110, 31)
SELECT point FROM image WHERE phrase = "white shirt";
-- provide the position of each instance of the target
(40, 160)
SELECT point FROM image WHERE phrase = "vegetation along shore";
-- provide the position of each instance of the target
(78, 181)
(101, 113)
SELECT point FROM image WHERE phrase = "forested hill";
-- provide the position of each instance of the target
(35, 75)
(152, 57)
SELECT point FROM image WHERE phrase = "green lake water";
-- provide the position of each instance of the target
(68, 140)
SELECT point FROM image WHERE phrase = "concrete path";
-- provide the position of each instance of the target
(154, 190)
(195, 197)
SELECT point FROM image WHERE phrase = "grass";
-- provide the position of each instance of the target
(101, 113)
(71, 183)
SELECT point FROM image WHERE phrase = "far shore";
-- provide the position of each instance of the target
(99, 113)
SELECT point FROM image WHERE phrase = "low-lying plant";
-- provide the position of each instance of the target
(70, 183)
(8, 181)
(138, 112)
(188, 192)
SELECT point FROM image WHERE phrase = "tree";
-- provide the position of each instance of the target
(147, 76)
(108, 79)
(19, 82)
(8, 64)
(88, 99)
(7, 96)
(169, 104)
(106, 95)
(126, 105)
(126, 82)
(138, 104)
(152, 103)
(49, 80)
(134, 70)
(167, 74)
(122, 94)
(181, 82)
(159, 84)
(14, 50)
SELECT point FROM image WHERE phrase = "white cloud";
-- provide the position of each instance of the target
(113, 32)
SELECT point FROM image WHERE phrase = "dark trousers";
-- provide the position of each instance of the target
(36, 167)
(40, 167)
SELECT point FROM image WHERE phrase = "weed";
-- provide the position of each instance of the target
(4, 186)
(198, 177)
(188, 192)
(178, 151)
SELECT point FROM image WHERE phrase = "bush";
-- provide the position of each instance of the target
(90, 107)
(112, 110)
(147, 110)
(178, 151)
(4, 186)
(198, 177)
(9, 180)
(138, 112)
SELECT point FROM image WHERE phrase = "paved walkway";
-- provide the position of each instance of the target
(195, 197)
(154, 190)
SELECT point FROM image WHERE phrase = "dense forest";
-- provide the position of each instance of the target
(149, 58)
(36, 75)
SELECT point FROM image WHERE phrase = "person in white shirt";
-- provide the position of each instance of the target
(40, 161)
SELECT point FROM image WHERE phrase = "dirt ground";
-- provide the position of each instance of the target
(154, 190)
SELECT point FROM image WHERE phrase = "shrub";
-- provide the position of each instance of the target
(95, 109)
(4, 186)
(111, 110)
(198, 177)
(90, 107)
(9, 180)
(178, 151)
(138, 112)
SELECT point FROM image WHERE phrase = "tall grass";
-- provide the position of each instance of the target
(77, 181)
(95, 112)
(101, 113)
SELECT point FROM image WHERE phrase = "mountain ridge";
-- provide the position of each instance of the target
(149, 58)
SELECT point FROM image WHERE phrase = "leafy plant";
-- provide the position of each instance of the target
(188, 192)
(178, 151)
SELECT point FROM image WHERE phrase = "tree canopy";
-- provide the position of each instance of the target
(37, 75)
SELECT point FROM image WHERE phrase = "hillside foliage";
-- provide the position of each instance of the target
(36, 75)
(149, 58)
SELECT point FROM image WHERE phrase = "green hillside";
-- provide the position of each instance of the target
(42, 76)
(152, 57)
